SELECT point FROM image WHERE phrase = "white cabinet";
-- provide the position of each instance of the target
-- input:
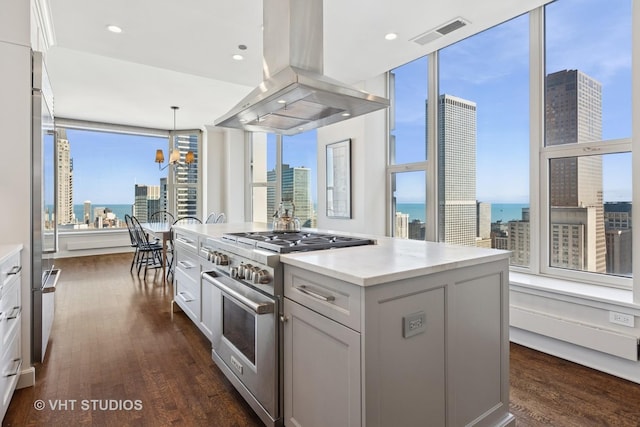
(192, 294)
(206, 310)
(10, 319)
(186, 283)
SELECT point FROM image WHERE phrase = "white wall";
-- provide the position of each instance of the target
(368, 136)
(224, 178)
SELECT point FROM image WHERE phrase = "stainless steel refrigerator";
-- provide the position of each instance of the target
(44, 235)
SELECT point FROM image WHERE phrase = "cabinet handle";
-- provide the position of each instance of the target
(14, 270)
(187, 298)
(284, 319)
(18, 363)
(185, 265)
(305, 290)
(14, 313)
(183, 240)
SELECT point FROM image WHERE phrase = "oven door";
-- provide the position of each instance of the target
(245, 337)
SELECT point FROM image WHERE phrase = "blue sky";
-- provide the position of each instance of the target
(490, 69)
(106, 168)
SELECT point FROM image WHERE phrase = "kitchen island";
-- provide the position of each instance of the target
(397, 333)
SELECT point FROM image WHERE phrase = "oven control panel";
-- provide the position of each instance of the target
(240, 268)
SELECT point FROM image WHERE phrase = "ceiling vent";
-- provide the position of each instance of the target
(436, 33)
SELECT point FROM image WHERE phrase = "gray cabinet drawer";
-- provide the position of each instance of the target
(338, 300)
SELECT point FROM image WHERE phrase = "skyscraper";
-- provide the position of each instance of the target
(65, 179)
(141, 205)
(573, 114)
(456, 170)
(296, 186)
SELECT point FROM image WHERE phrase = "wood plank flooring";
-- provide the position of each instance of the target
(113, 339)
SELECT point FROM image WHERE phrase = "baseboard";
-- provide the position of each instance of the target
(27, 378)
(616, 366)
(594, 337)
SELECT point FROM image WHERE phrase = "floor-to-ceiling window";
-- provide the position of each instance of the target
(532, 148)
(105, 172)
(586, 167)
(408, 149)
(284, 170)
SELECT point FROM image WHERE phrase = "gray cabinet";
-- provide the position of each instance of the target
(322, 370)
(428, 350)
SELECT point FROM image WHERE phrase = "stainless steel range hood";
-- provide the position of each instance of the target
(295, 95)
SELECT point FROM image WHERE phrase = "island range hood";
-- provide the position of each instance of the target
(295, 95)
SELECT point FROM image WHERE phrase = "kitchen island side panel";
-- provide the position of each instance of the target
(452, 370)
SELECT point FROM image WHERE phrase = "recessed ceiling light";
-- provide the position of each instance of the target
(114, 29)
(346, 114)
(281, 101)
(238, 57)
(391, 36)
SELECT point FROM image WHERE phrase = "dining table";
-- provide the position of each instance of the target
(161, 231)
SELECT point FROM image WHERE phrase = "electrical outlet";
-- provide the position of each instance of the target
(621, 319)
(414, 324)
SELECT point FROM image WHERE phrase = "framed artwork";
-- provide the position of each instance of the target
(339, 179)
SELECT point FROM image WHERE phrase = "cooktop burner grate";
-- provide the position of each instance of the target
(285, 242)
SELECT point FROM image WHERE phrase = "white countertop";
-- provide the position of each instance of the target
(389, 260)
(7, 250)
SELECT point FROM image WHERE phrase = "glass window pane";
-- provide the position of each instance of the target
(263, 146)
(483, 139)
(588, 68)
(91, 195)
(409, 204)
(590, 213)
(299, 175)
(409, 121)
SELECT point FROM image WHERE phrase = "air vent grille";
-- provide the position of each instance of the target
(458, 23)
(436, 33)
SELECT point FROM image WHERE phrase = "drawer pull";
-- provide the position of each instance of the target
(186, 265)
(187, 298)
(14, 313)
(18, 364)
(14, 270)
(305, 290)
(184, 240)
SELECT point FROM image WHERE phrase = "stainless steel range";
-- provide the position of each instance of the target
(248, 302)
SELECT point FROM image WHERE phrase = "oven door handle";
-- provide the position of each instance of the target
(256, 307)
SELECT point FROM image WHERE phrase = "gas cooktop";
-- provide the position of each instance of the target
(285, 242)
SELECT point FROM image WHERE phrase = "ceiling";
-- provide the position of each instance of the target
(180, 52)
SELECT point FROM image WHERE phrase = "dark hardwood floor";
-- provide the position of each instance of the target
(115, 345)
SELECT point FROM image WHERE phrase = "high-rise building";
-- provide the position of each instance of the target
(86, 218)
(144, 193)
(483, 218)
(456, 170)
(65, 179)
(573, 114)
(186, 177)
(402, 225)
(296, 187)
(519, 239)
(617, 216)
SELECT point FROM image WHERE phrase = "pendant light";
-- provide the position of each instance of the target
(174, 157)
